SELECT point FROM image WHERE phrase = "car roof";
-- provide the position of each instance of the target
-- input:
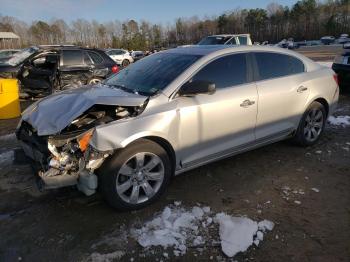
(197, 49)
(65, 47)
(204, 50)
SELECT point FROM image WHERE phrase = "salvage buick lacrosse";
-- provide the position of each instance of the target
(171, 112)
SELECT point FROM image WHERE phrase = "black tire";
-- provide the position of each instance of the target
(301, 138)
(125, 63)
(109, 171)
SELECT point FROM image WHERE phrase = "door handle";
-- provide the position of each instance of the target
(301, 89)
(247, 103)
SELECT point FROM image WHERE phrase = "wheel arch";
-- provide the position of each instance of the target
(323, 102)
(165, 144)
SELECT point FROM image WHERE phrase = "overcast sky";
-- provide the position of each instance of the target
(106, 10)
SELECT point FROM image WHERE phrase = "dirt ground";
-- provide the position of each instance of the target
(64, 225)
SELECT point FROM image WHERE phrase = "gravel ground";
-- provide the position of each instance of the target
(278, 182)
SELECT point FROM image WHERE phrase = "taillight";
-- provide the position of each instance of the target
(115, 69)
(336, 79)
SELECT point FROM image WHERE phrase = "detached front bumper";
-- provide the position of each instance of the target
(60, 161)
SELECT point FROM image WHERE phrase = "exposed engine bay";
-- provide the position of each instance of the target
(67, 158)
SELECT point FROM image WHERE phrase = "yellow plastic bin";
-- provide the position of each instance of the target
(9, 99)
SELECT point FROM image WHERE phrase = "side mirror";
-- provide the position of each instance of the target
(197, 87)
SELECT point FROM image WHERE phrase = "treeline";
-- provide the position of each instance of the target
(305, 20)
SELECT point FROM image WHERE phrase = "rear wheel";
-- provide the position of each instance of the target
(94, 81)
(125, 63)
(135, 176)
(311, 125)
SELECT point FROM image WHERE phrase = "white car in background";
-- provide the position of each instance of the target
(120, 56)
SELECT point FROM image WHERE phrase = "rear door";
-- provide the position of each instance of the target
(283, 91)
(100, 67)
(73, 70)
(214, 125)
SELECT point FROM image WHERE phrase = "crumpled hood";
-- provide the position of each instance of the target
(52, 114)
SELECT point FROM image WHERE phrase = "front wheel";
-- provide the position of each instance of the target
(135, 176)
(311, 125)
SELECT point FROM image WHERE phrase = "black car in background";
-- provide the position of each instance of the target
(341, 66)
(45, 69)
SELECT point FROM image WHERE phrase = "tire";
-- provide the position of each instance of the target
(311, 125)
(120, 179)
(125, 63)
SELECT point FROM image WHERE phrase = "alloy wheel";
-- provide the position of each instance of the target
(140, 178)
(94, 81)
(313, 124)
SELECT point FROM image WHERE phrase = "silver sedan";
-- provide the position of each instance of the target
(174, 111)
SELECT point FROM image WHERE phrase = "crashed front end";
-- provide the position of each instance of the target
(66, 158)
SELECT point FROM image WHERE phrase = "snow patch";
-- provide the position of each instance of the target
(97, 257)
(315, 189)
(8, 137)
(181, 228)
(176, 227)
(237, 234)
(339, 120)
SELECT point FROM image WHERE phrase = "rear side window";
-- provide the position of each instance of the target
(271, 65)
(95, 57)
(72, 57)
(243, 40)
(226, 71)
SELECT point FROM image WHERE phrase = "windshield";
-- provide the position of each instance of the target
(153, 73)
(214, 40)
(20, 56)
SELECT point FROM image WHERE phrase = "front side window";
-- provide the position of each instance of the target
(152, 73)
(271, 65)
(225, 72)
(72, 57)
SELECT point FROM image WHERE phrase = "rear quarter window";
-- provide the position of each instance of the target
(95, 57)
(272, 65)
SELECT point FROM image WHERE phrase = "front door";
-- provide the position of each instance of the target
(38, 75)
(218, 124)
